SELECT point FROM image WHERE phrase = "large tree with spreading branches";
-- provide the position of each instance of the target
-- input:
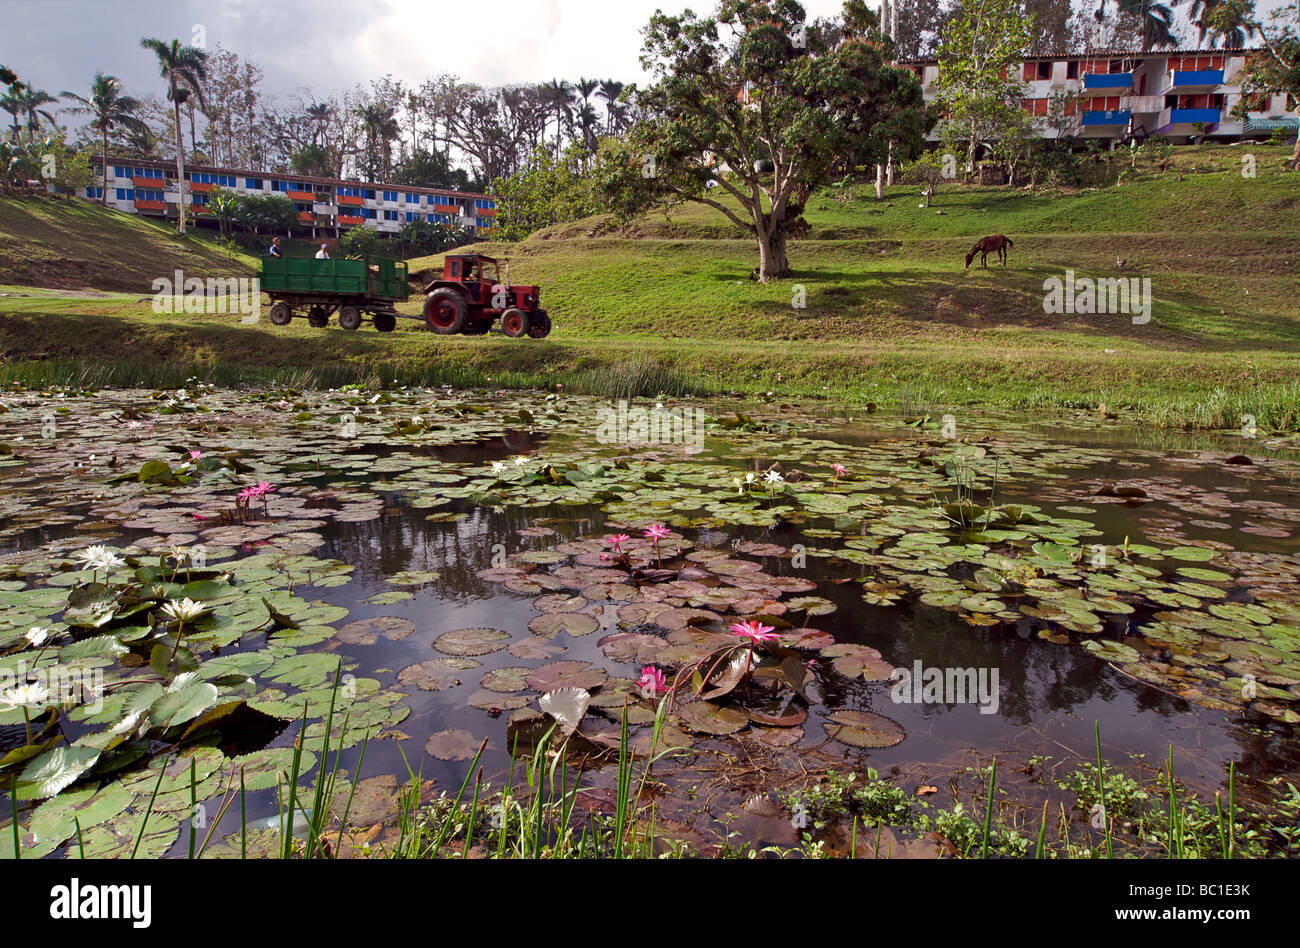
(750, 109)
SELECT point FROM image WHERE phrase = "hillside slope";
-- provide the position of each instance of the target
(890, 315)
(74, 244)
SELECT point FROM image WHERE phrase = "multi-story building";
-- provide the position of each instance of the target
(1116, 96)
(324, 204)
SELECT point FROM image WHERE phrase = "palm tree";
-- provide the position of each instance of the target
(380, 126)
(586, 87)
(610, 90)
(185, 69)
(319, 116)
(27, 103)
(1157, 22)
(109, 108)
(9, 103)
(559, 95)
(1230, 22)
(588, 122)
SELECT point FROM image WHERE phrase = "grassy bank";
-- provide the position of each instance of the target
(879, 308)
(74, 244)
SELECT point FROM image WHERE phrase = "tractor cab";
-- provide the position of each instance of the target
(472, 272)
(473, 291)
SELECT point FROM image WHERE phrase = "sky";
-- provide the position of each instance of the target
(331, 45)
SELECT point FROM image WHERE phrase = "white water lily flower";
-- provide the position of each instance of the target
(91, 555)
(498, 467)
(417, 420)
(773, 477)
(177, 553)
(109, 560)
(750, 478)
(33, 695)
(567, 705)
(184, 610)
(37, 635)
(740, 488)
(520, 461)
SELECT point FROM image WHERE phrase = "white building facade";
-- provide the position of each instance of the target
(323, 204)
(1117, 96)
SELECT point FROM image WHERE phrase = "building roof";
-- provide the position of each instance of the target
(301, 178)
(1104, 54)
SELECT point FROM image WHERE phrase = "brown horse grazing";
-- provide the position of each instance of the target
(986, 246)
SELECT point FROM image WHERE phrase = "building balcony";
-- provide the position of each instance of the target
(1142, 103)
(1200, 80)
(1184, 121)
(1115, 117)
(351, 220)
(295, 195)
(307, 217)
(148, 184)
(350, 200)
(1111, 82)
(159, 206)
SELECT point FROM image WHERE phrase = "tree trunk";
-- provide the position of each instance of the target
(889, 167)
(880, 182)
(772, 261)
(180, 166)
(1294, 161)
(103, 191)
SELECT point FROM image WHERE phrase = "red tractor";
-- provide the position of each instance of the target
(470, 294)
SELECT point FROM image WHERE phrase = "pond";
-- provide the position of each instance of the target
(801, 591)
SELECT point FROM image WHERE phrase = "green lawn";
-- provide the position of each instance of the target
(891, 315)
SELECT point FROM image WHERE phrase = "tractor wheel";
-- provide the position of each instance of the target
(280, 314)
(515, 322)
(477, 327)
(349, 317)
(385, 322)
(445, 311)
(541, 325)
(318, 317)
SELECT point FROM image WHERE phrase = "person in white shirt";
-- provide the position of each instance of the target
(322, 254)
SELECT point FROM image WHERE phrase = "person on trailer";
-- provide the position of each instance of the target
(275, 247)
(322, 254)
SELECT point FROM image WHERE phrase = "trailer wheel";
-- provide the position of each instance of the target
(445, 311)
(318, 317)
(541, 325)
(515, 322)
(280, 314)
(349, 317)
(385, 322)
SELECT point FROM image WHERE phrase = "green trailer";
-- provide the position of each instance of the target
(369, 285)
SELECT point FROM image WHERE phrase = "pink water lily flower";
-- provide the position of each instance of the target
(196, 455)
(618, 540)
(652, 681)
(754, 630)
(657, 532)
(838, 469)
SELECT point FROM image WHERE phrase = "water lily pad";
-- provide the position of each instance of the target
(434, 675)
(705, 717)
(551, 624)
(452, 744)
(864, 729)
(475, 641)
(566, 674)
